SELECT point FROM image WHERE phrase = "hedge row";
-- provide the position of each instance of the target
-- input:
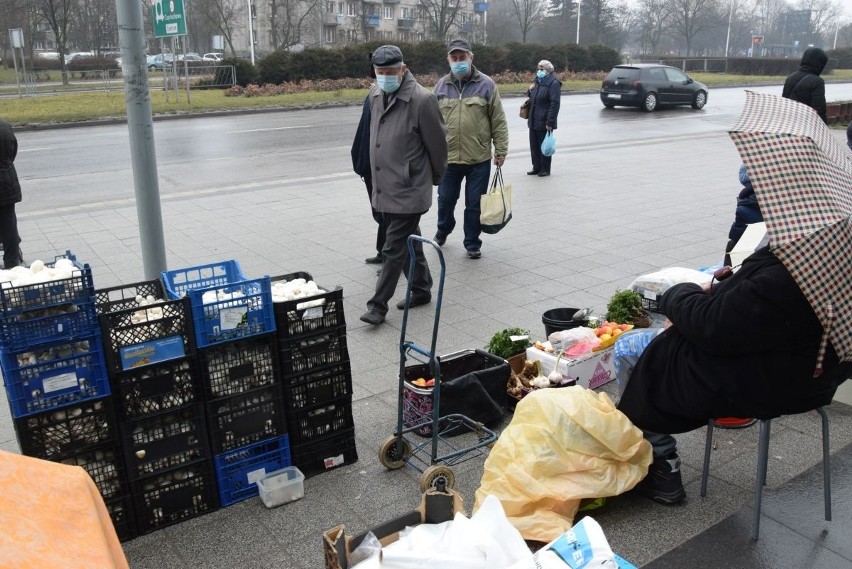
(843, 57)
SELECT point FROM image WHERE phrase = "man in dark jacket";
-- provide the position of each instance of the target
(805, 85)
(10, 194)
(746, 347)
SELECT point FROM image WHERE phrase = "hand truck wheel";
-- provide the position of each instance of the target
(437, 476)
(389, 454)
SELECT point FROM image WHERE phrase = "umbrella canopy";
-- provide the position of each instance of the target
(803, 181)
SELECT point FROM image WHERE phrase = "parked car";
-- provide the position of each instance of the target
(649, 85)
(189, 57)
(215, 57)
(160, 61)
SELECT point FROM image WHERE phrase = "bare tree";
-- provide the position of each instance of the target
(59, 16)
(440, 16)
(653, 19)
(290, 20)
(598, 22)
(96, 25)
(691, 17)
(223, 16)
(528, 13)
(12, 16)
(823, 16)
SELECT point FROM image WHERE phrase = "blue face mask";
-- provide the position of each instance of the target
(460, 68)
(388, 83)
(541, 74)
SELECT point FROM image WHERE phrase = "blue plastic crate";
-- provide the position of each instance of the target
(76, 289)
(54, 375)
(180, 281)
(238, 471)
(46, 325)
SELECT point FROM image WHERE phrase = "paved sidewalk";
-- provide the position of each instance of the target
(603, 217)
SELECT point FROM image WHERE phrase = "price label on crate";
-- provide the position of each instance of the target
(232, 318)
(60, 382)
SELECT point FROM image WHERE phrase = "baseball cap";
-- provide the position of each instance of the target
(459, 44)
(386, 56)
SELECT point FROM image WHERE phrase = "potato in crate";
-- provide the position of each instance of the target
(63, 281)
(54, 374)
(302, 355)
(322, 420)
(59, 433)
(165, 441)
(45, 325)
(326, 453)
(301, 307)
(239, 366)
(105, 465)
(318, 386)
(174, 496)
(247, 418)
(140, 327)
(156, 388)
(238, 471)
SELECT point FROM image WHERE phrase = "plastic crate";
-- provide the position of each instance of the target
(179, 282)
(326, 453)
(238, 471)
(311, 315)
(54, 374)
(319, 386)
(165, 441)
(147, 335)
(306, 354)
(237, 367)
(123, 297)
(45, 325)
(78, 288)
(174, 496)
(156, 389)
(122, 516)
(106, 467)
(323, 420)
(245, 419)
(651, 304)
(59, 433)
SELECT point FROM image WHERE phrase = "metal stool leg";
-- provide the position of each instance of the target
(826, 464)
(708, 446)
(760, 479)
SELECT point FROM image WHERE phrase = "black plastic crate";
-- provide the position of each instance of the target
(319, 386)
(77, 288)
(51, 324)
(237, 471)
(323, 420)
(105, 465)
(239, 366)
(174, 496)
(651, 304)
(60, 433)
(247, 418)
(165, 441)
(310, 315)
(325, 453)
(124, 297)
(156, 389)
(122, 516)
(309, 353)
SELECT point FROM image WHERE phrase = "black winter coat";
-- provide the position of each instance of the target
(545, 97)
(361, 145)
(10, 188)
(747, 349)
(805, 85)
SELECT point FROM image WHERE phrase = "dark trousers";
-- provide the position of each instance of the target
(395, 255)
(448, 194)
(377, 215)
(9, 236)
(540, 162)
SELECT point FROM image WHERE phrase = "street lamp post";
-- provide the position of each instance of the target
(728, 39)
(251, 30)
(579, 3)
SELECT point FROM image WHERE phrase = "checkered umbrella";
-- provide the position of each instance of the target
(803, 181)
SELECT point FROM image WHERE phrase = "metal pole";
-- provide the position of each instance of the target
(579, 3)
(728, 39)
(15, 61)
(837, 29)
(131, 39)
(24, 70)
(251, 31)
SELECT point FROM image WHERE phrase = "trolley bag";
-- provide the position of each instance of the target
(473, 384)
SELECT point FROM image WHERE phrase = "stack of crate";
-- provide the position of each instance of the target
(235, 335)
(317, 378)
(155, 383)
(56, 381)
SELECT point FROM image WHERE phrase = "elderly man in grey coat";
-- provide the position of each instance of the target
(408, 155)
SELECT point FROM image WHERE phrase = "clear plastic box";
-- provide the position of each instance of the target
(282, 486)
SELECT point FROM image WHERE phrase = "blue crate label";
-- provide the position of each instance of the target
(256, 475)
(313, 313)
(232, 318)
(333, 461)
(155, 351)
(60, 382)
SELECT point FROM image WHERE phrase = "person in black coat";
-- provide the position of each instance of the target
(747, 212)
(10, 194)
(545, 95)
(746, 347)
(805, 85)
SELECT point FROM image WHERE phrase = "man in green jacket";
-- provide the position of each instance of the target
(473, 113)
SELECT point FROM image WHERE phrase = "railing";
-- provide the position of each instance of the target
(705, 65)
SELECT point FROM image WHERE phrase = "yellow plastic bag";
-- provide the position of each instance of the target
(561, 446)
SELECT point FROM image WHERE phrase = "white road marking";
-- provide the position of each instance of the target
(269, 129)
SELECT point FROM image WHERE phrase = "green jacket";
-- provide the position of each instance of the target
(474, 117)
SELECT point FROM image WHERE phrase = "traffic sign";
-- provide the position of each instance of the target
(169, 18)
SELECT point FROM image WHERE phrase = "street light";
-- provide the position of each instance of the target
(251, 29)
(728, 39)
(579, 3)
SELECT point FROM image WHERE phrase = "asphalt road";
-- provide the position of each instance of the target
(89, 167)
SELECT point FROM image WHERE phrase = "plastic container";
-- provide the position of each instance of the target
(312, 352)
(324, 454)
(322, 420)
(312, 315)
(282, 486)
(174, 496)
(156, 389)
(78, 288)
(315, 387)
(246, 418)
(237, 367)
(239, 471)
(165, 441)
(561, 319)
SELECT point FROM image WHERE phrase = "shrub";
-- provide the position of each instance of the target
(246, 73)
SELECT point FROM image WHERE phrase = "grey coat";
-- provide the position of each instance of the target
(10, 188)
(408, 148)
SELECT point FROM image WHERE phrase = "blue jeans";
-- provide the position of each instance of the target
(448, 194)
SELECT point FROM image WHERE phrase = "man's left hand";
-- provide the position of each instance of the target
(498, 161)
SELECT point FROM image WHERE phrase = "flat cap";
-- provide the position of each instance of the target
(386, 56)
(458, 44)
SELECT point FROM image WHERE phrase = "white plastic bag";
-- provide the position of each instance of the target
(548, 146)
(565, 339)
(654, 284)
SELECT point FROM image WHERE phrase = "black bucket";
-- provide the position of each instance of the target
(561, 319)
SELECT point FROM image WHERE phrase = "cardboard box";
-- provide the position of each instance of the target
(590, 371)
(435, 507)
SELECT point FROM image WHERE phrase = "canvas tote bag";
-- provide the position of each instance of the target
(496, 205)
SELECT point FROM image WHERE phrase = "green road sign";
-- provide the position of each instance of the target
(168, 17)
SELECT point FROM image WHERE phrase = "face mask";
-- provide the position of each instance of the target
(541, 74)
(459, 68)
(387, 83)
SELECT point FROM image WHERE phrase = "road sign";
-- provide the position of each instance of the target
(756, 40)
(169, 18)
